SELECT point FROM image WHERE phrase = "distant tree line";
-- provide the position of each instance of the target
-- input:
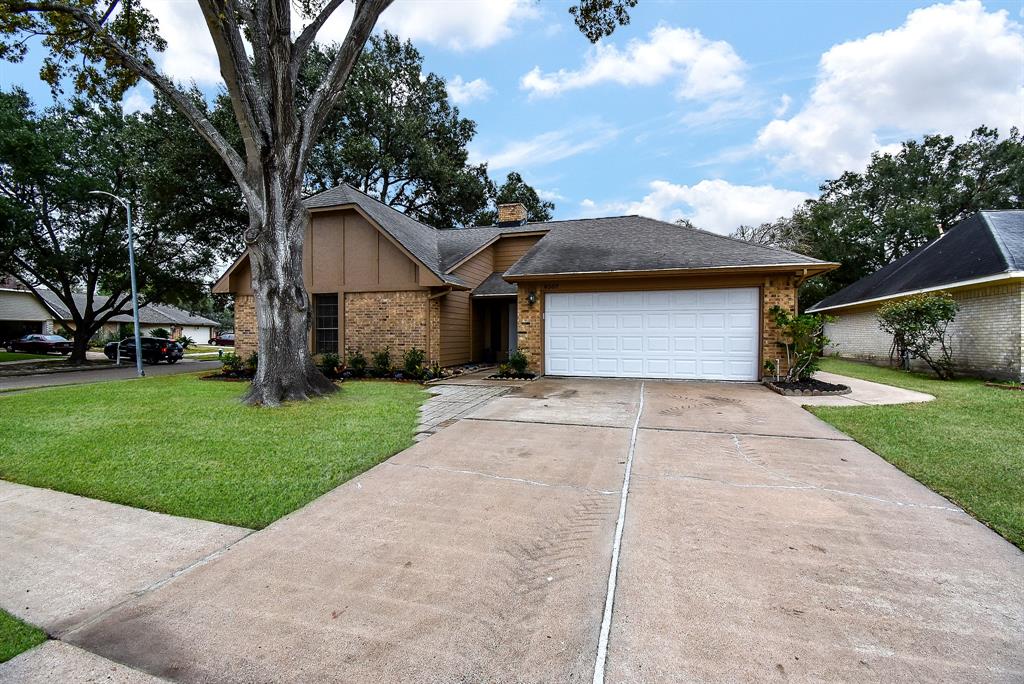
(898, 203)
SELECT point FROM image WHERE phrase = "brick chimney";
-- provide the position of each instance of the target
(511, 214)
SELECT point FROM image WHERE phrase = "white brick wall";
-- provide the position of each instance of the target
(987, 333)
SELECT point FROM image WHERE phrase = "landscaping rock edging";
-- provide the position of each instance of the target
(788, 392)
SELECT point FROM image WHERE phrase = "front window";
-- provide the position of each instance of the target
(326, 333)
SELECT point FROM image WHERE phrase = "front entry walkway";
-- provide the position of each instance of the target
(757, 544)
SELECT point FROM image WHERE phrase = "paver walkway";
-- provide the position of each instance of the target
(455, 398)
(758, 544)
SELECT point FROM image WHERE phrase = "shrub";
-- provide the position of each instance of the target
(504, 370)
(412, 362)
(185, 342)
(357, 363)
(232, 363)
(804, 340)
(382, 361)
(252, 362)
(919, 328)
(160, 332)
(329, 363)
(518, 362)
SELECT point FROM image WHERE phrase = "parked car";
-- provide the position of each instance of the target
(40, 344)
(154, 350)
(224, 340)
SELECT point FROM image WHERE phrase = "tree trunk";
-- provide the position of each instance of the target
(80, 343)
(286, 371)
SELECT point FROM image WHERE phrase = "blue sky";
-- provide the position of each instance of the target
(723, 112)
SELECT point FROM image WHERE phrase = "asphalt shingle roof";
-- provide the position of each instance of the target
(985, 244)
(151, 314)
(495, 286)
(636, 243)
(621, 243)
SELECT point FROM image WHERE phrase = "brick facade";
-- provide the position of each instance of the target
(530, 327)
(986, 334)
(245, 325)
(396, 320)
(433, 347)
(776, 291)
(779, 290)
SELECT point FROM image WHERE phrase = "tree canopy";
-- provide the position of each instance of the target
(58, 236)
(865, 220)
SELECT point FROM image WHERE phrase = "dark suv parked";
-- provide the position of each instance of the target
(154, 350)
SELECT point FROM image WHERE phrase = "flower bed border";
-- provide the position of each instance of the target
(806, 393)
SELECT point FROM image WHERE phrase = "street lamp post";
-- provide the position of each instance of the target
(135, 289)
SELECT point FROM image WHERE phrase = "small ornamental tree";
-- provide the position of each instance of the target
(804, 340)
(919, 326)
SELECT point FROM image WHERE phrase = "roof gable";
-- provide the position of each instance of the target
(985, 244)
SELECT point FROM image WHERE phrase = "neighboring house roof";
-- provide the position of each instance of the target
(151, 314)
(636, 243)
(987, 245)
(495, 286)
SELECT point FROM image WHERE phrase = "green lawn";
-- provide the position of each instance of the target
(20, 356)
(967, 444)
(188, 447)
(16, 636)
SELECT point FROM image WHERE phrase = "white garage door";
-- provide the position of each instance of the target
(686, 334)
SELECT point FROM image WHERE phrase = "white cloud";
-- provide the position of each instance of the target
(462, 92)
(704, 68)
(190, 55)
(715, 205)
(457, 24)
(548, 147)
(784, 102)
(552, 195)
(138, 99)
(948, 69)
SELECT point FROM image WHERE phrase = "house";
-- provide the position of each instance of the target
(980, 261)
(23, 312)
(623, 296)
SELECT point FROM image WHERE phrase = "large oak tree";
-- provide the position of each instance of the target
(107, 44)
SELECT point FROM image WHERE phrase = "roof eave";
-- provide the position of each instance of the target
(1008, 275)
(807, 269)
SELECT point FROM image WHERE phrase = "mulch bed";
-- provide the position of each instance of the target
(1005, 386)
(513, 376)
(806, 388)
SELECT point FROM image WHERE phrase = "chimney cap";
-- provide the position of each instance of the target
(511, 214)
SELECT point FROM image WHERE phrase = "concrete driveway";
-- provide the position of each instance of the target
(757, 544)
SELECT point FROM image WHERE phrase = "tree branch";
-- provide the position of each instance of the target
(177, 97)
(326, 96)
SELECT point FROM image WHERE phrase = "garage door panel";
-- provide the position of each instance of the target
(689, 334)
(558, 343)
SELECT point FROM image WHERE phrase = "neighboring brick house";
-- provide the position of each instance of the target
(980, 261)
(625, 296)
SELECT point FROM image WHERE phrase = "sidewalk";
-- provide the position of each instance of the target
(864, 393)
